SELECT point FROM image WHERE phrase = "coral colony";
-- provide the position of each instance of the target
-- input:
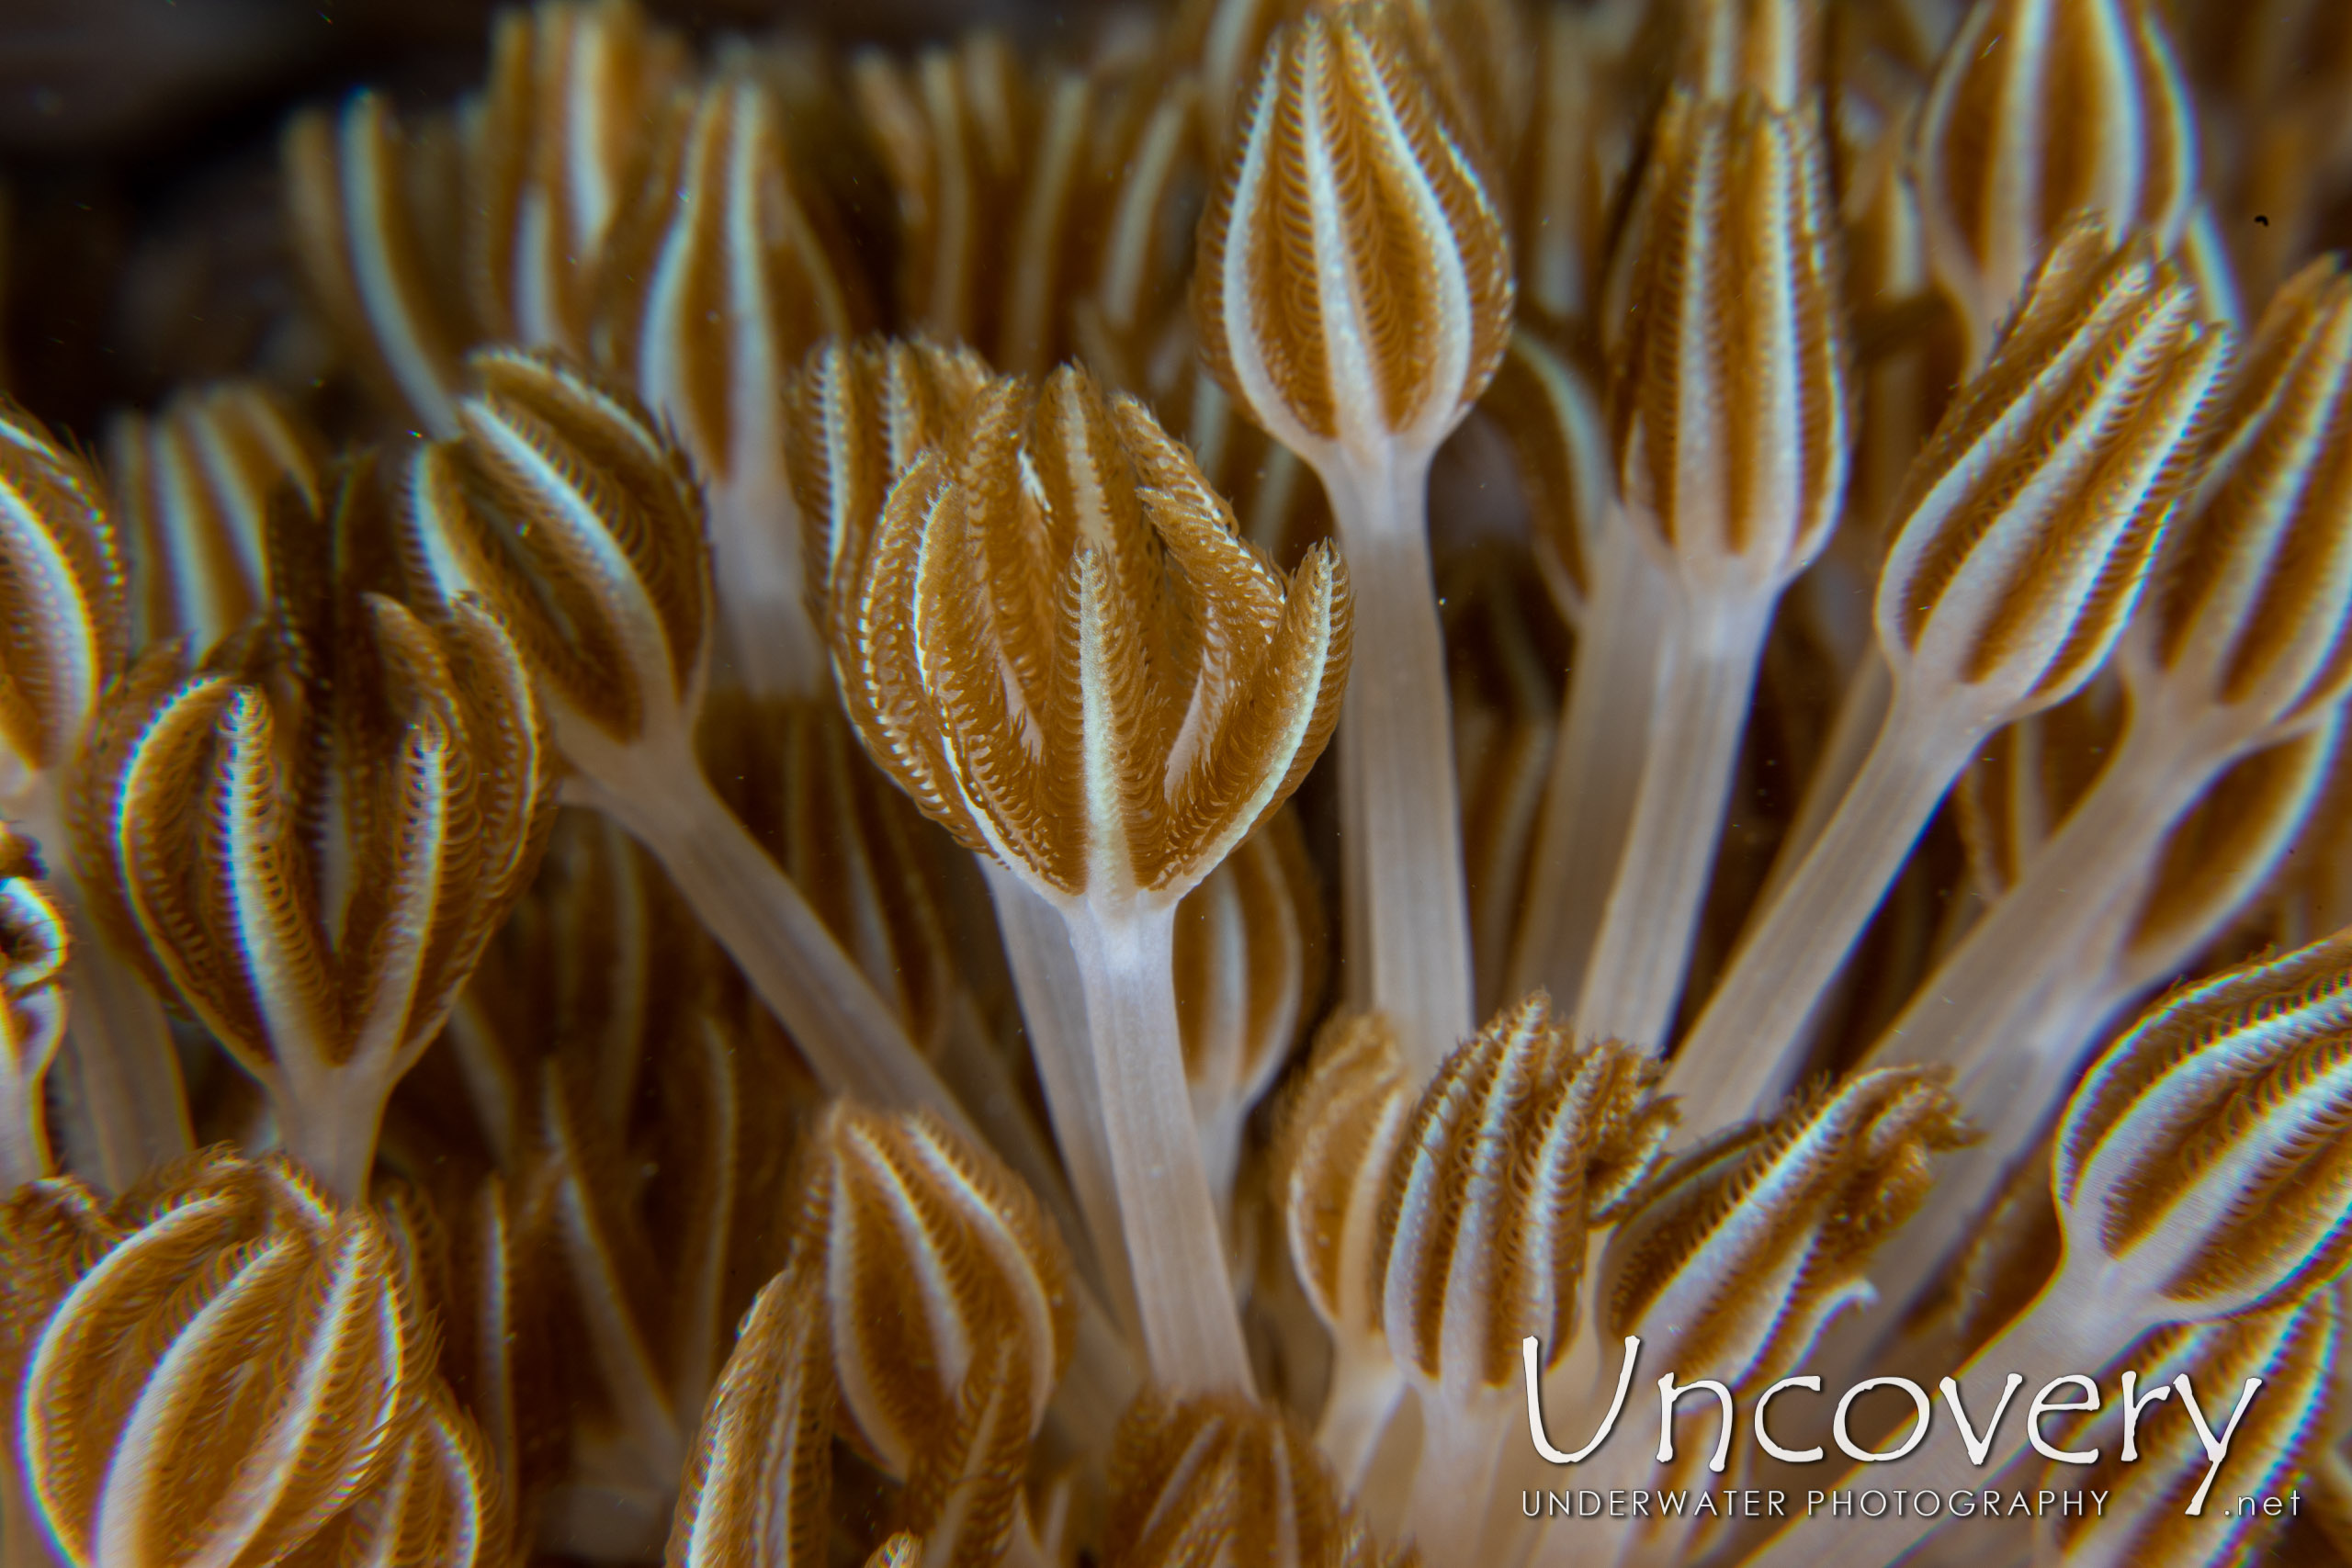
(717, 929)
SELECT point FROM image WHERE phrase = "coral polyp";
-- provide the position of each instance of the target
(1322, 784)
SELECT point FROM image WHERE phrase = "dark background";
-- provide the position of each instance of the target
(138, 150)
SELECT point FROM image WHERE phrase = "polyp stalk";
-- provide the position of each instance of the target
(1126, 960)
(1401, 817)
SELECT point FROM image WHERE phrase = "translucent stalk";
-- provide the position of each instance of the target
(330, 1123)
(1595, 775)
(2050, 1037)
(1401, 823)
(1644, 951)
(764, 626)
(1101, 1381)
(1053, 1011)
(2017, 1096)
(1461, 1441)
(2018, 1004)
(852, 1041)
(1191, 1332)
(1739, 1057)
(1574, 1396)
(2067, 1330)
(2018, 1063)
(987, 1085)
(1365, 1389)
(1861, 711)
(2013, 1107)
(24, 1151)
(124, 1091)
(2038, 932)
(849, 1038)
(1627, 1461)
(1022, 1550)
